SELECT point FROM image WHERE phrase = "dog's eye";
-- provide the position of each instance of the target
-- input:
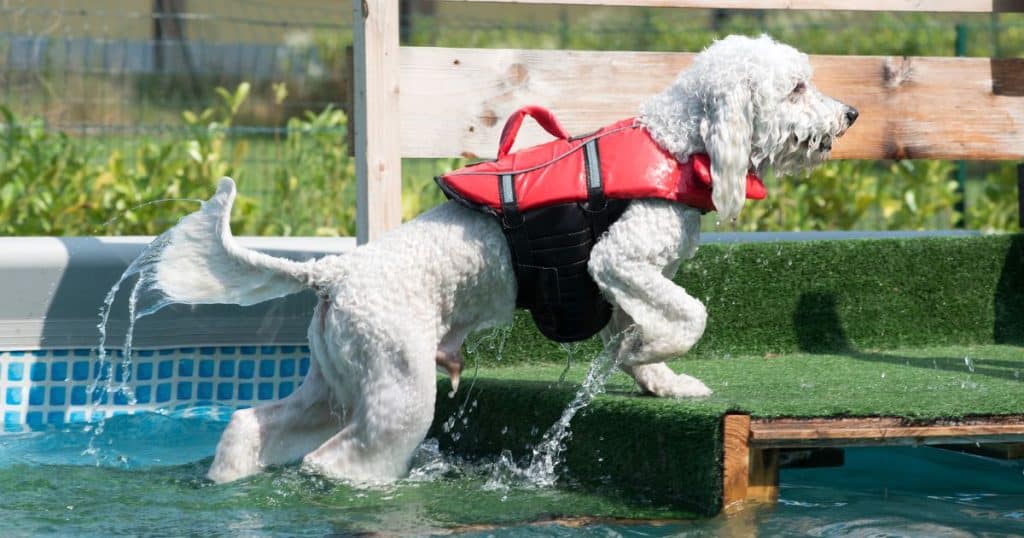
(800, 87)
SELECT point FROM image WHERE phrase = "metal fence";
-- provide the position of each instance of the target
(130, 67)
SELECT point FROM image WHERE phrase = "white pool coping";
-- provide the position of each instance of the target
(51, 289)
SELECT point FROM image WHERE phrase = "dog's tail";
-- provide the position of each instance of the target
(198, 261)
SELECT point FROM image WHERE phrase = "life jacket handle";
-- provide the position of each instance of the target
(541, 115)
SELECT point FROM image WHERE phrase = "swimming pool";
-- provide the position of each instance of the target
(149, 481)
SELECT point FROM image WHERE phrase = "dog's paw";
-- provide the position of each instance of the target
(682, 386)
(659, 380)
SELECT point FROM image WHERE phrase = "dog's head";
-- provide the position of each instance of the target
(750, 104)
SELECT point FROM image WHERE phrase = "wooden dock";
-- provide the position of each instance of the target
(753, 448)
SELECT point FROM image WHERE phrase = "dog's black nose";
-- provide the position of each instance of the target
(851, 114)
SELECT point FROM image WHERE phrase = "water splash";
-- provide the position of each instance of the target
(546, 456)
(144, 204)
(571, 350)
(492, 342)
(145, 298)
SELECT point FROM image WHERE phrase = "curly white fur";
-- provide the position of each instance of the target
(392, 309)
(750, 104)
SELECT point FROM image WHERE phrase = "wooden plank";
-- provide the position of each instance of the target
(455, 101)
(376, 98)
(960, 6)
(793, 433)
(735, 459)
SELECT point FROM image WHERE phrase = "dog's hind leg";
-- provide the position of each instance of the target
(389, 418)
(276, 433)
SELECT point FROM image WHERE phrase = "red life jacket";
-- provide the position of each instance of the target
(631, 166)
(555, 201)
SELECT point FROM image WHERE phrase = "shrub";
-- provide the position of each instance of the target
(859, 195)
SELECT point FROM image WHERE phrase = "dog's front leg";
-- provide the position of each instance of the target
(654, 318)
(629, 265)
(656, 379)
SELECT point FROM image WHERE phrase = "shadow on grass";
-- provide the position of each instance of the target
(1009, 299)
(819, 331)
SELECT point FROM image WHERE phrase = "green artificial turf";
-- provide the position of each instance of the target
(937, 382)
(669, 451)
(820, 296)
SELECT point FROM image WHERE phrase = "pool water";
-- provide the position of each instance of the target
(147, 478)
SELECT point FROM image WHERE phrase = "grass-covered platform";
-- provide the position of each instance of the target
(925, 332)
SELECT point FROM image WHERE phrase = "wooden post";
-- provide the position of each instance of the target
(376, 122)
(736, 459)
(748, 473)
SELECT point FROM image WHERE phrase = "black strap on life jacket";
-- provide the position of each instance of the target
(550, 252)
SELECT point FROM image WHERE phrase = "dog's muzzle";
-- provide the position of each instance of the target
(851, 116)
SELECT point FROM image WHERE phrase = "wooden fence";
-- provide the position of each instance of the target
(443, 102)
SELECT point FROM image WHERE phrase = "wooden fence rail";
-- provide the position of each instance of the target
(455, 100)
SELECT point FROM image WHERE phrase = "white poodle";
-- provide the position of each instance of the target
(393, 309)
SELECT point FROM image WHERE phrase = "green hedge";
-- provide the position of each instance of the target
(818, 296)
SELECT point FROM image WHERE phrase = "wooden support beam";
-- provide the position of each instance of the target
(735, 459)
(376, 121)
(960, 6)
(748, 474)
(455, 101)
(752, 448)
(792, 433)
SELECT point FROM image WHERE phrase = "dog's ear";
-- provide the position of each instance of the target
(727, 131)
